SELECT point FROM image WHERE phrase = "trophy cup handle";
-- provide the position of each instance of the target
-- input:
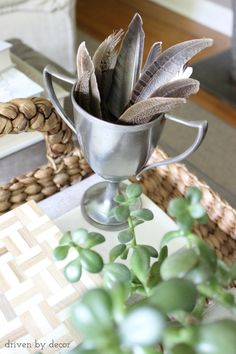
(48, 73)
(202, 129)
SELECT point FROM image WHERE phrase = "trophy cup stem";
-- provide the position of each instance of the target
(97, 203)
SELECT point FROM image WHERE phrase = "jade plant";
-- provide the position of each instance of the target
(150, 302)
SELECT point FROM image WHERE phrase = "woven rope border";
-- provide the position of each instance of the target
(66, 165)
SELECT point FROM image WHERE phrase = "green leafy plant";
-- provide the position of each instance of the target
(155, 302)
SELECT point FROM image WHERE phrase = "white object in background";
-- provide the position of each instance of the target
(5, 58)
(15, 84)
(208, 13)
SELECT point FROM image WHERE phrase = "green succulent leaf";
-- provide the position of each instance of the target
(125, 236)
(182, 348)
(193, 195)
(91, 260)
(154, 275)
(233, 272)
(177, 206)
(163, 254)
(208, 255)
(65, 239)
(61, 252)
(73, 271)
(94, 238)
(133, 191)
(179, 264)
(80, 236)
(92, 315)
(174, 294)
(120, 199)
(116, 251)
(124, 255)
(216, 337)
(143, 214)
(140, 263)
(115, 273)
(169, 236)
(151, 250)
(143, 326)
(196, 211)
(121, 213)
(185, 221)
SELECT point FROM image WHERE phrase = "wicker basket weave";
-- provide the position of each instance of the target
(66, 165)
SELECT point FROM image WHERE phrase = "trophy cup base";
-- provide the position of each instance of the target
(97, 203)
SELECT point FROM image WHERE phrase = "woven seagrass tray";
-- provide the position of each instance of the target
(66, 165)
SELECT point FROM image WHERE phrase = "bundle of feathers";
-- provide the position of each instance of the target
(114, 87)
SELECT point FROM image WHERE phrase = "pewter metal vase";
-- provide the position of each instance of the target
(115, 152)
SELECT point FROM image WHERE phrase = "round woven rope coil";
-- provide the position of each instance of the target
(67, 166)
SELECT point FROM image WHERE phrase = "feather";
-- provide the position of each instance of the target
(82, 91)
(83, 60)
(103, 56)
(166, 67)
(104, 60)
(144, 111)
(154, 52)
(178, 88)
(86, 88)
(128, 66)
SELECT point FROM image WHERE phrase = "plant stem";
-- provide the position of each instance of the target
(131, 227)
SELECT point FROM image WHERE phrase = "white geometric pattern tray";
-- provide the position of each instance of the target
(34, 296)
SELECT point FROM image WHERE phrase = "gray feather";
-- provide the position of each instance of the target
(145, 111)
(178, 88)
(86, 88)
(154, 52)
(128, 66)
(166, 67)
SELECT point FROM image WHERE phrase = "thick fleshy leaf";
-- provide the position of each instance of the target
(154, 52)
(115, 273)
(140, 263)
(134, 190)
(178, 88)
(178, 264)
(144, 111)
(193, 194)
(66, 238)
(143, 326)
(151, 250)
(125, 236)
(128, 66)
(121, 213)
(91, 260)
(169, 236)
(86, 239)
(174, 294)
(217, 337)
(143, 213)
(196, 210)
(166, 67)
(61, 252)
(92, 315)
(73, 271)
(116, 251)
(182, 348)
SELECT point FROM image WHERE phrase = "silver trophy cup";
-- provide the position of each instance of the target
(115, 152)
